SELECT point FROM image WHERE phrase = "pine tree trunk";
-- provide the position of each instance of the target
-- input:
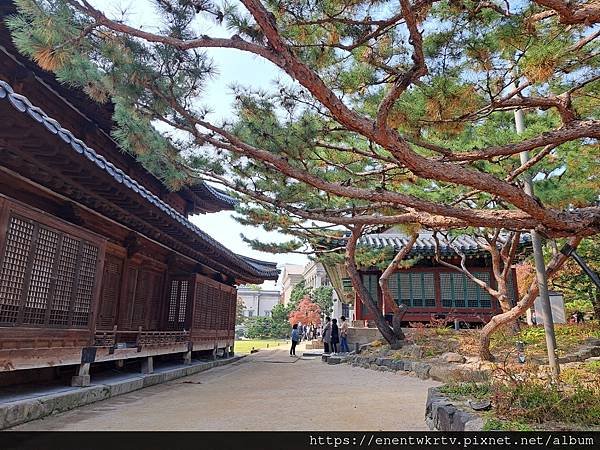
(596, 303)
(393, 335)
(519, 309)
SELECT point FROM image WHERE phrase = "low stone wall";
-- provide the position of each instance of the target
(442, 414)
(21, 411)
(436, 370)
(589, 349)
(362, 336)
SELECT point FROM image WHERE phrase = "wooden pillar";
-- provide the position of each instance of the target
(148, 365)
(120, 363)
(232, 349)
(215, 349)
(82, 379)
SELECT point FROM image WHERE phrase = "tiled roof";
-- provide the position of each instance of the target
(425, 244)
(22, 104)
(204, 189)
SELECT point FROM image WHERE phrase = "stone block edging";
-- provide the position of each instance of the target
(435, 370)
(21, 411)
(442, 414)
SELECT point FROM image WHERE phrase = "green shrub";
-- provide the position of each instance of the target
(578, 304)
(533, 401)
(477, 391)
(494, 424)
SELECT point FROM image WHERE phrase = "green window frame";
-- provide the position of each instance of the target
(414, 289)
(371, 283)
(458, 291)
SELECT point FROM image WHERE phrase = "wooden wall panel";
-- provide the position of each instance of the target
(111, 289)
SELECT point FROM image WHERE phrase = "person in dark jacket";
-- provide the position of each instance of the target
(335, 336)
(327, 334)
(295, 338)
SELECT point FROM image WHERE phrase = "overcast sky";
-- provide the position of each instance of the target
(233, 67)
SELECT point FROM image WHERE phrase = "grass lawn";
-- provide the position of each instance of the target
(244, 346)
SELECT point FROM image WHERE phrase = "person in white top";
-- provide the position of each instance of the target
(344, 335)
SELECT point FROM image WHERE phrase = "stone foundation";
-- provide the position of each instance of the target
(442, 414)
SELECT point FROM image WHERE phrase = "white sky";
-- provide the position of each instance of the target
(233, 67)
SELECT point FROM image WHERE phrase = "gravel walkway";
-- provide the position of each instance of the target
(265, 391)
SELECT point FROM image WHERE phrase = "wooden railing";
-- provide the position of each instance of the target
(138, 338)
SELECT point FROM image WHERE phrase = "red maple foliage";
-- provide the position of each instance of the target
(307, 313)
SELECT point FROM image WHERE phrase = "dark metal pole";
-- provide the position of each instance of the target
(570, 251)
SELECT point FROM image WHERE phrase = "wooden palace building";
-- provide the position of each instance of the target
(431, 290)
(98, 260)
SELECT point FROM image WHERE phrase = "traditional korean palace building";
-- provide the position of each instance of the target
(431, 290)
(98, 260)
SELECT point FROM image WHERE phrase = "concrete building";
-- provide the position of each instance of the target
(258, 302)
(315, 276)
(291, 275)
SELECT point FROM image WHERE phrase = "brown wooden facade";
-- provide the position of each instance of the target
(433, 291)
(98, 260)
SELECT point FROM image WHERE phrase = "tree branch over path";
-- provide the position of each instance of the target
(362, 122)
(279, 53)
(573, 13)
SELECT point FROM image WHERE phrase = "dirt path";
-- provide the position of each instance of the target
(265, 391)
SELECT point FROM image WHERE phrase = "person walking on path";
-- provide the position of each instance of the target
(295, 339)
(326, 334)
(335, 336)
(344, 336)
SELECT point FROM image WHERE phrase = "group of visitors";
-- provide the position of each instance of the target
(331, 333)
(334, 335)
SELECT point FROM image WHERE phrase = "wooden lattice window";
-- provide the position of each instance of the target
(414, 289)
(65, 280)
(178, 299)
(183, 295)
(14, 265)
(200, 305)
(460, 292)
(478, 297)
(47, 276)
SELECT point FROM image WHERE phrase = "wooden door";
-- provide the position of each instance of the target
(111, 288)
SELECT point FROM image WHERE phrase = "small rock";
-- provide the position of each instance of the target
(474, 424)
(453, 357)
(482, 405)
(421, 370)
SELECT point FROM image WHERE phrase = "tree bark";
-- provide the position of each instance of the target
(363, 294)
(397, 311)
(526, 302)
(596, 302)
